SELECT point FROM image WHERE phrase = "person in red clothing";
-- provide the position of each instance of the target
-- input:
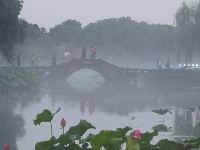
(93, 52)
(6, 147)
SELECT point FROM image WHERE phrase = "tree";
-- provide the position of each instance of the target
(129, 35)
(188, 29)
(10, 28)
(197, 27)
(115, 35)
(67, 32)
(185, 32)
(31, 31)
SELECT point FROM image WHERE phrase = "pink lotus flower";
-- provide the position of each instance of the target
(63, 123)
(137, 134)
(6, 147)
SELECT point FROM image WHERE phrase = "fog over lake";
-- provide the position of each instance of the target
(99, 74)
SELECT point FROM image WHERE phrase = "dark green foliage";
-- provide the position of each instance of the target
(169, 145)
(161, 128)
(193, 143)
(76, 132)
(10, 28)
(161, 111)
(67, 32)
(46, 145)
(31, 31)
(64, 140)
(18, 79)
(109, 139)
(132, 144)
(45, 116)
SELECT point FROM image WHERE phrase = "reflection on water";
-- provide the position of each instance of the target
(11, 121)
(125, 107)
(11, 126)
(113, 112)
(186, 123)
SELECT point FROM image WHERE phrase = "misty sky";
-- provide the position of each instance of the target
(48, 13)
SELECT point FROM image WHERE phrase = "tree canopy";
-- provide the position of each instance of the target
(10, 29)
(188, 30)
(115, 35)
(69, 31)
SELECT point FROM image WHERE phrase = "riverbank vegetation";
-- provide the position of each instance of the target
(15, 79)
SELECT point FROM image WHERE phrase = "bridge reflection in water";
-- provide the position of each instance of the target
(184, 119)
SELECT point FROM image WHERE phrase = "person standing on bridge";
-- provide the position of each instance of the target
(167, 65)
(93, 52)
(19, 60)
(53, 59)
(158, 65)
(33, 60)
(67, 54)
(83, 54)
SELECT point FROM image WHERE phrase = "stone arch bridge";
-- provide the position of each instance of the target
(111, 73)
(115, 75)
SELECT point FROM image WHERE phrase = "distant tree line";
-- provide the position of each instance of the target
(123, 31)
(113, 35)
(122, 34)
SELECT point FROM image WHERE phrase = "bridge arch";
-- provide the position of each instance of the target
(63, 71)
(68, 72)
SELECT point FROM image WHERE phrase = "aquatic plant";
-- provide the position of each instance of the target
(63, 124)
(161, 128)
(162, 111)
(6, 147)
(121, 138)
(137, 134)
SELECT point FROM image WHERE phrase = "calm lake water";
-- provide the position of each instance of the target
(106, 112)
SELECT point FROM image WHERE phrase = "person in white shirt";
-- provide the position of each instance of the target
(67, 54)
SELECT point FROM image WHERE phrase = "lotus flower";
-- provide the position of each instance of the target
(6, 147)
(137, 134)
(63, 123)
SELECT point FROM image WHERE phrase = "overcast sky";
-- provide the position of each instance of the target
(48, 13)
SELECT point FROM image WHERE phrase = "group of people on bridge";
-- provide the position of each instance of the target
(67, 54)
(17, 59)
(160, 66)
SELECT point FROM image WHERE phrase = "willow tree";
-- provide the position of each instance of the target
(197, 27)
(185, 33)
(188, 30)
